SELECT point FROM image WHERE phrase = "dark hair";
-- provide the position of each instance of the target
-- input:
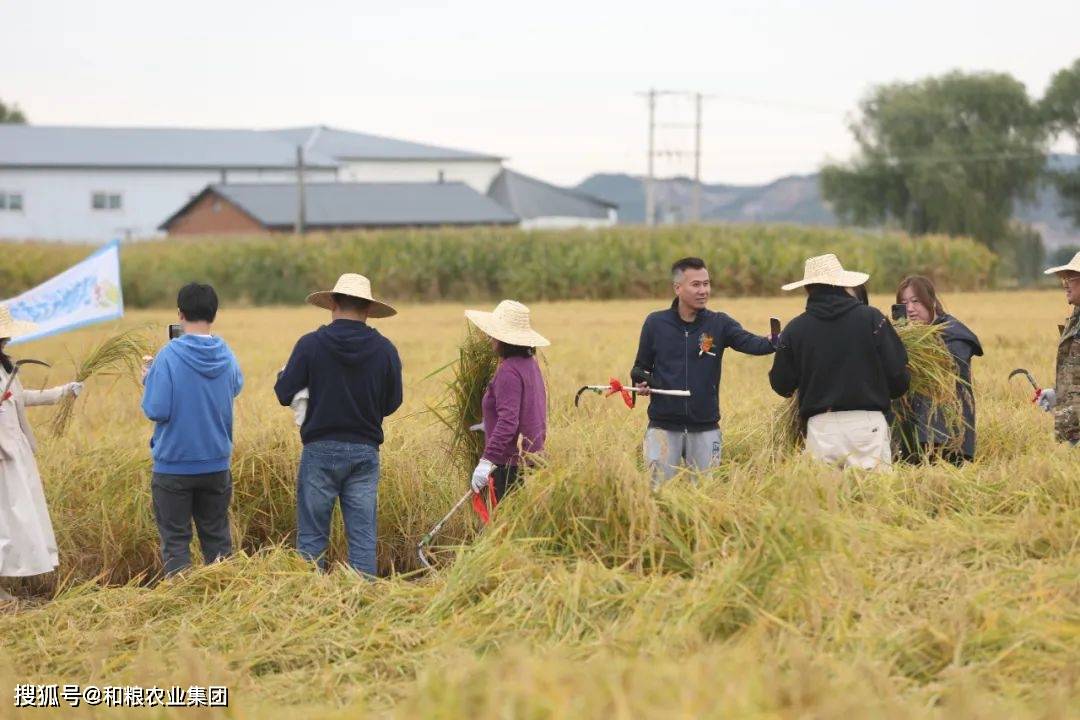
(923, 288)
(4, 359)
(505, 350)
(350, 303)
(687, 263)
(823, 289)
(815, 289)
(198, 302)
(862, 295)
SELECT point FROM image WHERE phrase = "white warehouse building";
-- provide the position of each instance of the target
(100, 183)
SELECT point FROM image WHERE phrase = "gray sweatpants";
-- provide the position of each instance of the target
(666, 450)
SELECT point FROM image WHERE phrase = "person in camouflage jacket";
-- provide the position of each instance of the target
(1067, 385)
(1064, 399)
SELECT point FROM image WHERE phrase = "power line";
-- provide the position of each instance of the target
(780, 104)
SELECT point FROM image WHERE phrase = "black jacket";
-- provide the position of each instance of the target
(687, 356)
(963, 345)
(353, 376)
(839, 355)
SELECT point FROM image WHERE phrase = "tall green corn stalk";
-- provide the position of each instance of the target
(486, 264)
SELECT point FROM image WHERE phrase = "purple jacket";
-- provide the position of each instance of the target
(515, 406)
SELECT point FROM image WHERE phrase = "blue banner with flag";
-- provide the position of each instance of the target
(84, 294)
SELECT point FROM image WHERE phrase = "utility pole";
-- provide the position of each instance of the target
(650, 190)
(697, 158)
(301, 220)
(650, 177)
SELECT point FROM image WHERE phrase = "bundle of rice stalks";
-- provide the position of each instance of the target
(120, 355)
(461, 408)
(934, 381)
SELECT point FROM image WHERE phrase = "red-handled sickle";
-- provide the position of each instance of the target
(629, 394)
(1030, 379)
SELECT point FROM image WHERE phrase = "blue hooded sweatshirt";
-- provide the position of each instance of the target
(189, 395)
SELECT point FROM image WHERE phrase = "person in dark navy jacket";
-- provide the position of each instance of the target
(682, 348)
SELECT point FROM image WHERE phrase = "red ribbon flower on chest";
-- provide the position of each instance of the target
(705, 345)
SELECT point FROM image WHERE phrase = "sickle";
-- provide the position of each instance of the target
(1028, 375)
(31, 361)
(15, 371)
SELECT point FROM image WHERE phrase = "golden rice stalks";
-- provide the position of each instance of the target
(462, 405)
(933, 376)
(120, 355)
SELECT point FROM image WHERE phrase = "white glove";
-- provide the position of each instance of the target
(480, 475)
(73, 389)
(299, 406)
(1046, 399)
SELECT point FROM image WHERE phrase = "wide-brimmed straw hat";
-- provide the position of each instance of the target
(827, 270)
(12, 328)
(510, 323)
(356, 286)
(1074, 266)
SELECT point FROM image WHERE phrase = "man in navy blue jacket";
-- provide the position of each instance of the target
(188, 394)
(681, 348)
(353, 377)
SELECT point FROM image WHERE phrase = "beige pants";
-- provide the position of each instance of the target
(850, 438)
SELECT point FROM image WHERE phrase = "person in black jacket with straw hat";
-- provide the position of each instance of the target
(353, 377)
(846, 362)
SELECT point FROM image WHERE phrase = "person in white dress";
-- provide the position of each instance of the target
(27, 543)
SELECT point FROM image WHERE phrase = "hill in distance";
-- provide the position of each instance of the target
(792, 199)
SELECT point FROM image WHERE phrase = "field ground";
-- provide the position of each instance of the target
(773, 588)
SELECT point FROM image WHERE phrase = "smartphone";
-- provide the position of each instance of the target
(899, 311)
(175, 331)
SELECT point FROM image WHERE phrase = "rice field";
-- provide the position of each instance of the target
(771, 588)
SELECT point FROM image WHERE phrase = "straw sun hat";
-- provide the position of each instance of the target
(827, 270)
(356, 286)
(509, 324)
(12, 328)
(1074, 266)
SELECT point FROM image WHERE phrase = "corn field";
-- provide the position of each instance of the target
(432, 265)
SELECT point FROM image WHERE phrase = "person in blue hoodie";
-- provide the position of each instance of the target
(353, 377)
(682, 348)
(188, 393)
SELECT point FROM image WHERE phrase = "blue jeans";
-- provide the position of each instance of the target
(331, 470)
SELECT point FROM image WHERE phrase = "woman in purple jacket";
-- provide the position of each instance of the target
(515, 404)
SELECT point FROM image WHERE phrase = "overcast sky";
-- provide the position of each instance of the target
(551, 85)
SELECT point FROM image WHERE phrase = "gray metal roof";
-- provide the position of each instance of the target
(59, 146)
(530, 198)
(342, 205)
(349, 145)
(52, 146)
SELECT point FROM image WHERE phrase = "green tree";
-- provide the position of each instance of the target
(1062, 255)
(1061, 109)
(11, 114)
(948, 154)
